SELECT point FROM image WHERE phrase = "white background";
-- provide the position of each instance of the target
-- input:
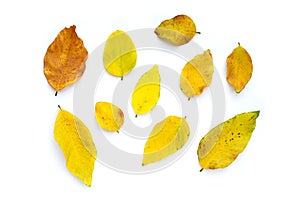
(32, 165)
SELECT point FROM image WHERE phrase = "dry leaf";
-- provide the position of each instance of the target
(76, 142)
(64, 62)
(167, 137)
(197, 74)
(109, 116)
(119, 56)
(146, 92)
(239, 68)
(178, 30)
(220, 146)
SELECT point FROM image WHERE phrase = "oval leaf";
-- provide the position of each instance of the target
(167, 137)
(178, 30)
(119, 56)
(197, 74)
(146, 92)
(64, 62)
(109, 116)
(220, 146)
(75, 140)
(239, 68)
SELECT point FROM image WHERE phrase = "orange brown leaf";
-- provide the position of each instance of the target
(239, 68)
(64, 62)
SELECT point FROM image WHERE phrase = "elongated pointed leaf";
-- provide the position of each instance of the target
(146, 92)
(76, 142)
(167, 137)
(220, 146)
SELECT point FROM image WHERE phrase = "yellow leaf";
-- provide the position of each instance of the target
(64, 62)
(109, 116)
(119, 56)
(197, 74)
(146, 92)
(167, 137)
(76, 142)
(220, 146)
(179, 30)
(239, 68)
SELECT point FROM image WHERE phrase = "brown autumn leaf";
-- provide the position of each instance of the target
(179, 30)
(239, 68)
(64, 62)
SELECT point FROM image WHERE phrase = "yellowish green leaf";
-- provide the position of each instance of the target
(76, 142)
(64, 62)
(167, 137)
(197, 74)
(239, 68)
(146, 92)
(109, 116)
(179, 30)
(119, 56)
(220, 146)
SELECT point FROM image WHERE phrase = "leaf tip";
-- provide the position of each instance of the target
(257, 112)
(238, 91)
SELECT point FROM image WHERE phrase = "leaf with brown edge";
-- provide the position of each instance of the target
(221, 145)
(197, 74)
(109, 116)
(64, 62)
(239, 68)
(179, 30)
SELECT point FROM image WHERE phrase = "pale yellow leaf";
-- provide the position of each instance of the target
(119, 56)
(167, 137)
